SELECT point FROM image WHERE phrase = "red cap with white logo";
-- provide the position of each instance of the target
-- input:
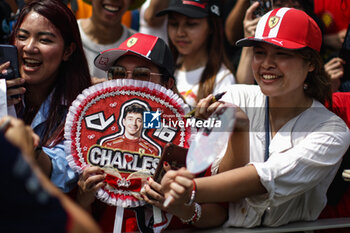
(287, 28)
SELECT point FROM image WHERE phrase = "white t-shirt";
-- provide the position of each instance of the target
(304, 157)
(187, 82)
(92, 49)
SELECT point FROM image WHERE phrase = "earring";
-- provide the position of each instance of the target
(306, 86)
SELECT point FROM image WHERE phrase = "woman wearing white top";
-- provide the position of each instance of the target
(196, 38)
(296, 144)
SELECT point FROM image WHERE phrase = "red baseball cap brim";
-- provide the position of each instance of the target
(142, 45)
(108, 57)
(287, 44)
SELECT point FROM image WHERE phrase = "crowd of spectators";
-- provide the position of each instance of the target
(287, 78)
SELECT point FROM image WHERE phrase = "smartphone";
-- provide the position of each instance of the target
(264, 7)
(344, 54)
(9, 53)
(174, 155)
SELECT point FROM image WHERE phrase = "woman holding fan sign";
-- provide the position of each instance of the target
(296, 144)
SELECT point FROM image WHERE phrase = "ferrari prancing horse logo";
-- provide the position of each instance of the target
(131, 42)
(273, 21)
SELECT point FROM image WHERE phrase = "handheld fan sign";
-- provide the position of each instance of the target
(209, 142)
(117, 126)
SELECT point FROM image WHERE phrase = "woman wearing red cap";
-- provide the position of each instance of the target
(296, 144)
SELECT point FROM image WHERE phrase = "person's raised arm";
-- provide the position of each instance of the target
(335, 70)
(151, 11)
(233, 23)
(244, 72)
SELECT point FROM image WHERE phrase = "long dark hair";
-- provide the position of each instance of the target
(73, 75)
(318, 83)
(216, 57)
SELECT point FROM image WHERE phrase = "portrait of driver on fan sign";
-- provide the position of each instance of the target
(131, 140)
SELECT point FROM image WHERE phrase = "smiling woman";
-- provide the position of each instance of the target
(53, 71)
(41, 50)
(295, 144)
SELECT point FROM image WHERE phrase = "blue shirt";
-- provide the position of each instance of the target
(62, 175)
(25, 205)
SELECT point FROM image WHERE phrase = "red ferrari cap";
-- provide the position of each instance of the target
(147, 46)
(287, 28)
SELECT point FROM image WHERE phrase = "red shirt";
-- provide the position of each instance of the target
(335, 14)
(139, 145)
(341, 107)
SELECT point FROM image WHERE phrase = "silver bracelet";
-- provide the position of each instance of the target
(196, 216)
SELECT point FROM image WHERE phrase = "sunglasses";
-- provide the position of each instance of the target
(139, 73)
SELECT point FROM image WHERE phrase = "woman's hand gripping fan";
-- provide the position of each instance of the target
(211, 138)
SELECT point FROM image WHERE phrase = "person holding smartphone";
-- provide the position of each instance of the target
(53, 71)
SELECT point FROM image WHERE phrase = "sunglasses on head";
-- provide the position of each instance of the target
(139, 73)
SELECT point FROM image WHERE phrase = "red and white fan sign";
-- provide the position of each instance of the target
(118, 125)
